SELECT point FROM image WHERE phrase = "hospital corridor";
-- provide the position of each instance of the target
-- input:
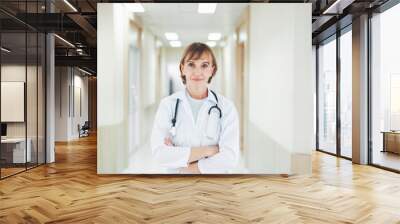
(159, 60)
(153, 44)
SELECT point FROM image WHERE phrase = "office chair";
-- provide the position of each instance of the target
(84, 130)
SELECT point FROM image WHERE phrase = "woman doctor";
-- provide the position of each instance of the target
(196, 130)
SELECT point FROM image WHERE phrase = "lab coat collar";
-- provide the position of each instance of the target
(182, 95)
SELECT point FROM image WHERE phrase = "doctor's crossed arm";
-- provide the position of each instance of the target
(229, 152)
(197, 153)
(164, 151)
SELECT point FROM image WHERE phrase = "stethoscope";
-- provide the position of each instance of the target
(173, 129)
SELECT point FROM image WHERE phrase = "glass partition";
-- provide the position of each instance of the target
(327, 96)
(14, 154)
(22, 77)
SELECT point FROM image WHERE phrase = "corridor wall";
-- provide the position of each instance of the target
(281, 87)
(115, 96)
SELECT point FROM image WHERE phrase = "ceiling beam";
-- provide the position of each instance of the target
(84, 61)
(84, 24)
(337, 7)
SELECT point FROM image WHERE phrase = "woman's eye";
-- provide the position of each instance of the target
(190, 64)
(205, 65)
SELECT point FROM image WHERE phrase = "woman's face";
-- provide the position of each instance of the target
(198, 71)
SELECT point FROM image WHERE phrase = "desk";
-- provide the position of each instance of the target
(391, 141)
(15, 148)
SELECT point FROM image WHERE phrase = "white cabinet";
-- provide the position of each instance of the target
(18, 149)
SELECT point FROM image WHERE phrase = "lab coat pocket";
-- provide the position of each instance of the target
(213, 127)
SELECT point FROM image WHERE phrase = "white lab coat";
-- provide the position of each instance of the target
(208, 130)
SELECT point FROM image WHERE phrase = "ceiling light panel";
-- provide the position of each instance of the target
(207, 8)
(211, 43)
(134, 7)
(214, 36)
(175, 43)
(171, 36)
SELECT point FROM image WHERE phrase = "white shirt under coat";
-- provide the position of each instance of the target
(207, 131)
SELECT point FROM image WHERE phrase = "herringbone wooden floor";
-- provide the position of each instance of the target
(70, 191)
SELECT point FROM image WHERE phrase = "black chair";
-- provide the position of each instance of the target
(84, 130)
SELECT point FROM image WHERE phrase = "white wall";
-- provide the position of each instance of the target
(80, 82)
(61, 103)
(148, 81)
(281, 85)
(217, 83)
(172, 57)
(114, 30)
(229, 67)
(148, 69)
(164, 85)
(67, 81)
(111, 95)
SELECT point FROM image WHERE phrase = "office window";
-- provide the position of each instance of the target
(385, 89)
(327, 96)
(346, 94)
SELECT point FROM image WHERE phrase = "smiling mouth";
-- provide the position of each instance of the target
(197, 80)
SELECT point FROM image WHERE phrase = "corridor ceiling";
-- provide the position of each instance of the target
(183, 19)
